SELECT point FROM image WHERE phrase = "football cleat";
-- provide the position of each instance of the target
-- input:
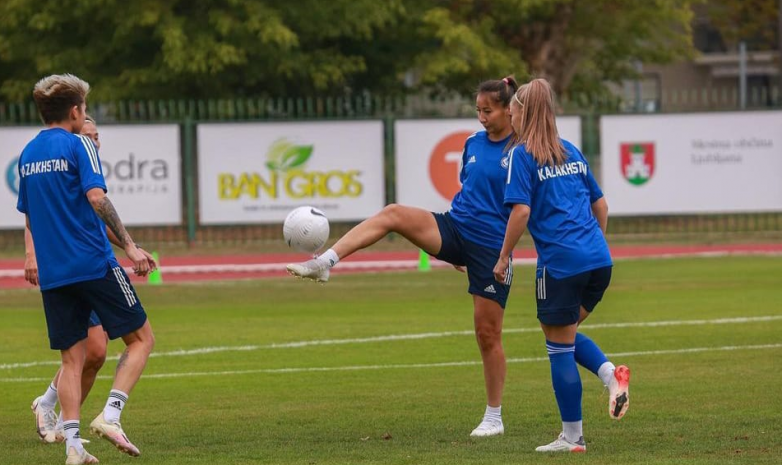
(561, 444)
(78, 458)
(619, 393)
(311, 269)
(488, 428)
(113, 433)
(45, 422)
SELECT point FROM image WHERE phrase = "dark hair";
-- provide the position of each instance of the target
(55, 96)
(502, 88)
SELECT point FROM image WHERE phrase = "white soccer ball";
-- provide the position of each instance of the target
(306, 229)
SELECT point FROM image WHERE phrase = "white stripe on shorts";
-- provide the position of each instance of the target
(509, 273)
(541, 282)
(123, 284)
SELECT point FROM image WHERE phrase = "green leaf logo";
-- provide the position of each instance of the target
(283, 155)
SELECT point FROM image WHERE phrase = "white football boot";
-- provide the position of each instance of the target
(45, 421)
(113, 433)
(488, 428)
(563, 445)
(311, 269)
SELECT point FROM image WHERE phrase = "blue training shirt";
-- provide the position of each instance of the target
(478, 210)
(567, 236)
(56, 169)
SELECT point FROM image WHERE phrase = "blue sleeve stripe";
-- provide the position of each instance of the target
(90, 148)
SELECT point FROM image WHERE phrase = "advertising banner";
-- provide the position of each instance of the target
(258, 172)
(429, 156)
(141, 165)
(693, 163)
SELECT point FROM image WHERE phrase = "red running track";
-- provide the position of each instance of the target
(233, 267)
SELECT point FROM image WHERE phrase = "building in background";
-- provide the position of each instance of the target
(712, 80)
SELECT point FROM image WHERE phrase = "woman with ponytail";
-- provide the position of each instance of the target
(552, 192)
(469, 235)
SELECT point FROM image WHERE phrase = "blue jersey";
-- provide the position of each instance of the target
(567, 236)
(56, 169)
(478, 210)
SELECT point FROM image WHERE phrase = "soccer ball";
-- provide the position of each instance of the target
(306, 229)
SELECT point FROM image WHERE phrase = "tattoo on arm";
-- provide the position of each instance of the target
(122, 359)
(106, 211)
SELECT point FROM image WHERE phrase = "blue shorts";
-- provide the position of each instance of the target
(94, 320)
(560, 300)
(478, 259)
(113, 299)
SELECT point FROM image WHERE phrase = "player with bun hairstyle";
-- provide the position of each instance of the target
(469, 235)
(552, 192)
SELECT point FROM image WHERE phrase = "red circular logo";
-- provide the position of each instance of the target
(444, 164)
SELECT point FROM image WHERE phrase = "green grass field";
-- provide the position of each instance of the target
(300, 373)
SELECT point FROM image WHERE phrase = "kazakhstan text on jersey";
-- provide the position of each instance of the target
(566, 234)
(56, 169)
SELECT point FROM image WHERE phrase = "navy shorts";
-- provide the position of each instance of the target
(478, 259)
(113, 299)
(560, 300)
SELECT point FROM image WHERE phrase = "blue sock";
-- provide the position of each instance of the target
(588, 354)
(565, 379)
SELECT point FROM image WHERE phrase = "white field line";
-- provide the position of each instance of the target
(193, 374)
(415, 336)
(270, 267)
(391, 264)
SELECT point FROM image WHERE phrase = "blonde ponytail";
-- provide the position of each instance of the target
(538, 126)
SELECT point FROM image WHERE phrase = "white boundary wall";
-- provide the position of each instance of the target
(141, 164)
(252, 173)
(702, 163)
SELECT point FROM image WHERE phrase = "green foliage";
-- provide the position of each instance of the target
(201, 49)
(187, 48)
(578, 45)
(754, 21)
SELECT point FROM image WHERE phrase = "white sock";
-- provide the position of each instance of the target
(49, 399)
(606, 372)
(493, 414)
(114, 405)
(72, 437)
(573, 430)
(329, 257)
(59, 424)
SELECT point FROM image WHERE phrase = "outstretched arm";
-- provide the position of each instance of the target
(106, 211)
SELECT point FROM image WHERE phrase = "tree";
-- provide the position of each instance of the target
(753, 21)
(187, 48)
(233, 48)
(576, 45)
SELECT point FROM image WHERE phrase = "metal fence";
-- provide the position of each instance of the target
(187, 113)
